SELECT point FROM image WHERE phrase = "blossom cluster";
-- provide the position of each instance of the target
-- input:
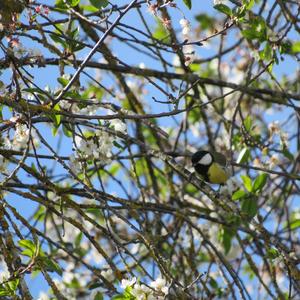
(89, 110)
(95, 146)
(22, 136)
(188, 49)
(157, 291)
(275, 159)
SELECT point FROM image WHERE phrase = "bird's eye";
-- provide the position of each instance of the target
(205, 160)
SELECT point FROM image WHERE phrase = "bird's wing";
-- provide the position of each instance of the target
(219, 158)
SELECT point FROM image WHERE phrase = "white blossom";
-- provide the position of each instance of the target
(160, 284)
(43, 296)
(284, 139)
(274, 161)
(38, 52)
(274, 128)
(89, 110)
(279, 261)
(69, 106)
(186, 26)
(176, 63)
(141, 291)
(108, 274)
(69, 276)
(118, 125)
(19, 50)
(70, 232)
(14, 119)
(64, 289)
(189, 54)
(257, 163)
(4, 275)
(22, 135)
(125, 282)
(231, 185)
(75, 164)
(98, 146)
(216, 2)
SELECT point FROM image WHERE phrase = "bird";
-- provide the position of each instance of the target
(212, 166)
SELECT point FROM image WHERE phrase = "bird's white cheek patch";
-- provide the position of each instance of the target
(205, 160)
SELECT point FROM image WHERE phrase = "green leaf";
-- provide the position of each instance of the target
(292, 224)
(27, 244)
(295, 224)
(238, 195)
(248, 4)
(28, 252)
(98, 296)
(213, 283)
(99, 3)
(78, 239)
(114, 169)
(160, 32)
(286, 47)
(257, 29)
(140, 167)
(54, 130)
(32, 90)
(13, 285)
(249, 34)
(249, 207)
(206, 22)
(4, 292)
(89, 8)
(58, 40)
(9, 288)
(287, 154)
(60, 4)
(260, 182)
(188, 3)
(56, 117)
(296, 47)
(94, 285)
(266, 53)
(66, 131)
(226, 238)
(240, 12)
(63, 81)
(272, 253)
(40, 213)
(247, 182)
(73, 3)
(243, 156)
(51, 265)
(223, 9)
(120, 297)
(248, 123)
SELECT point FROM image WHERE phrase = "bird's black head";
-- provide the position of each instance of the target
(202, 161)
(202, 157)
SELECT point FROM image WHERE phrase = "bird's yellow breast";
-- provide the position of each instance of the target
(216, 174)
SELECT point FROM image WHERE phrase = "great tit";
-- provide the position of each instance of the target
(212, 166)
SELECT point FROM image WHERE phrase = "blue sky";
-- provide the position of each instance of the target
(47, 76)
